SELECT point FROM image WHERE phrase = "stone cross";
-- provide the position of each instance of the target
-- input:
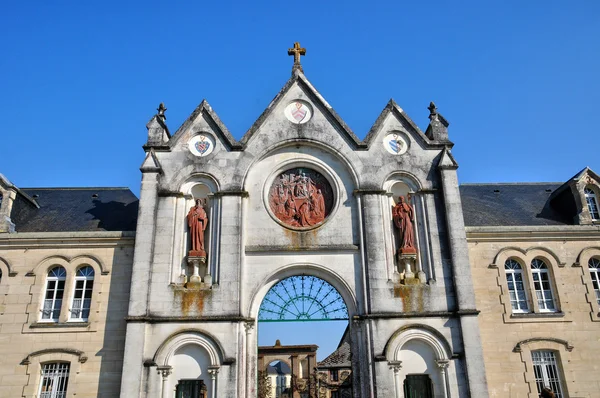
(297, 51)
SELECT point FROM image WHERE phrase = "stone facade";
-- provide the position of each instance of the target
(94, 348)
(425, 292)
(410, 312)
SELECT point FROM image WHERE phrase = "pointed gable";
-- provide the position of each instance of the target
(300, 81)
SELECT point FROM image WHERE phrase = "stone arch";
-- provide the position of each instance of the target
(70, 264)
(584, 256)
(402, 176)
(312, 269)
(420, 332)
(6, 268)
(190, 336)
(501, 255)
(185, 186)
(321, 145)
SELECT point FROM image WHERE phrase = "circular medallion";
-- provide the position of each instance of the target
(395, 144)
(301, 198)
(298, 112)
(201, 145)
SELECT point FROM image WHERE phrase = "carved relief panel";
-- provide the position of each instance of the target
(301, 198)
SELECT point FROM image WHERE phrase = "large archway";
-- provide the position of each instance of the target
(307, 314)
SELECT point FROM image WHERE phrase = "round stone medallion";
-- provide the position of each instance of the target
(301, 198)
(201, 145)
(298, 112)
(395, 144)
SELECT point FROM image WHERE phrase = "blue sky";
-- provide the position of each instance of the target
(518, 80)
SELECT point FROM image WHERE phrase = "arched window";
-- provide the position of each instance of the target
(82, 297)
(55, 379)
(594, 265)
(592, 203)
(516, 286)
(547, 372)
(542, 285)
(55, 288)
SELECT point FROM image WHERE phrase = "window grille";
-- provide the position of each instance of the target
(55, 288)
(592, 203)
(542, 285)
(55, 377)
(516, 286)
(546, 372)
(82, 297)
(594, 266)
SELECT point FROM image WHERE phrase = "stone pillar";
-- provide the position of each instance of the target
(463, 281)
(131, 382)
(250, 368)
(213, 371)
(443, 366)
(395, 366)
(164, 371)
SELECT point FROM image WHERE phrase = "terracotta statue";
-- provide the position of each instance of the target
(197, 221)
(403, 215)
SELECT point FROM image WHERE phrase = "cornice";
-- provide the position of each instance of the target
(533, 233)
(28, 240)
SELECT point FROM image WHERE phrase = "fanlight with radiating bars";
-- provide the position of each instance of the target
(302, 298)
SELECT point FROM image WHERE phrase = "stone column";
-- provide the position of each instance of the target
(463, 281)
(250, 369)
(213, 371)
(140, 282)
(164, 371)
(395, 366)
(443, 366)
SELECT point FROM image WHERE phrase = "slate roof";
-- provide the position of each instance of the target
(341, 357)
(511, 204)
(75, 210)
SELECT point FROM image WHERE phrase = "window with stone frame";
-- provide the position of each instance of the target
(1, 197)
(82, 294)
(334, 375)
(594, 267)
(0, 276)
(542, 285)
(53, 295)
(546, 371)
(516, 286)
(55, 380)
(592, 203)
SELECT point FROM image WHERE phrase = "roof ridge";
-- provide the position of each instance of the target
(79, 188)
(509, 183)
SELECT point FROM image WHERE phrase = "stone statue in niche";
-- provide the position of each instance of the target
(301, 198)
(403, 216)
(197, 221)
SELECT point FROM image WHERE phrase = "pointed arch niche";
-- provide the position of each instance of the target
(421, 268)
(201, 187)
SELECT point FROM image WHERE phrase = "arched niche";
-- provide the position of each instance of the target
(417, 352)
(404, 267)
(204, 188)
(189, 355)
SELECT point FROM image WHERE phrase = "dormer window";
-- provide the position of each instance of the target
(592, 203)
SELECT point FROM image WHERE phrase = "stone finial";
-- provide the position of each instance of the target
(432, 110)
(297, 51)
(277, 343)
(162, 109)
(158, 132)
(438, 127)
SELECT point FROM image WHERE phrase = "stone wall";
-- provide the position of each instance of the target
(94, 348)
(571, 332)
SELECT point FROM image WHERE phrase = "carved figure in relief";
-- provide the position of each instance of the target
(197, 221)
(403, 216)
(300, 199)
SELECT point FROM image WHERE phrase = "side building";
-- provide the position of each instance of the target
(65, 272)
(535, 255)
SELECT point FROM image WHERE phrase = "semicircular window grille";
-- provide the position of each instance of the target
(302, 298)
